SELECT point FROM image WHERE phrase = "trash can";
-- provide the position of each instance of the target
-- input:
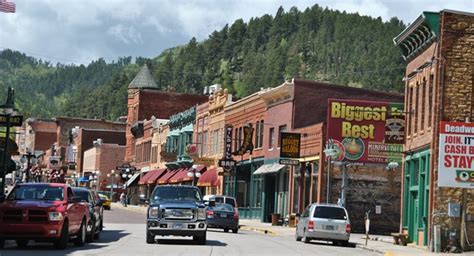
(292, 220)
(275, 219)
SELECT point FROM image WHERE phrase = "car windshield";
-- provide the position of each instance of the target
(327, 212)
(176, 194)
(222, 207)
(37, 193)
(84, 194)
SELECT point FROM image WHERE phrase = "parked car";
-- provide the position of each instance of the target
(221, 200)
(176, 211)
(328, 222)
(223, 216)
(106, 202)
(96, 211)
(49, 212)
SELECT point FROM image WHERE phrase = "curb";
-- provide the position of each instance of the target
(259, 230)
(369, 249)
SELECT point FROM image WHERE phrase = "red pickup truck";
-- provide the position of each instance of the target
(43, 212)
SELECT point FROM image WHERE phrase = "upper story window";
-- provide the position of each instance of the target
(281, 128)
(271, 138)
(260, 144)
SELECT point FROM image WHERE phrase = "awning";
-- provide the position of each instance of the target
(144, 179)
(209, 179)
(269, 168)
(181, 175)
(164, 179)
(156, 174)
(132, 179)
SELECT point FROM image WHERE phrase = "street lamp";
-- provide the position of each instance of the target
(74, 177)
(330, 152)
(30, 159)
(8, 109)
(193, 173)
(95, 179)
(112, 175)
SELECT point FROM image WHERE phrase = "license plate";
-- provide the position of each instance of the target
(223, 215)
(178, 226)
(329, 227)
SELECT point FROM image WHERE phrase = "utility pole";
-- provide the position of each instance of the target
(344, 184)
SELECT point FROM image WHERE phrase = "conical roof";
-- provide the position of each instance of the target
(143, 80)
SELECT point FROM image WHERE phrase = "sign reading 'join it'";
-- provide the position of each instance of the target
(456, 155)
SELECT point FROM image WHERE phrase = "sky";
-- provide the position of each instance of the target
(79, 31)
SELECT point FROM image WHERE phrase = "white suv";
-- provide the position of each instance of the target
(324, 222)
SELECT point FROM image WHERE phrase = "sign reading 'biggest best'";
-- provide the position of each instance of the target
(456, 155)
(366, 131)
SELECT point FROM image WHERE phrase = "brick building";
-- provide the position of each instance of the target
(438, 87)
(37, 135)
(104, 157)
(146, 100)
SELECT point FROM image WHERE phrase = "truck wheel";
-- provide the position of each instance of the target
(200, 239)
(81, 235)
(90, 237)
(226, 230)
(61, 242)
(235, 230)
(150, 238)
(22, 243)
(97, 236)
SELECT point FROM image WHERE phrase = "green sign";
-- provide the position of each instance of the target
(13, 120)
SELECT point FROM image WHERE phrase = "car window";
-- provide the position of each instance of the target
(48, 193)
(69, 193)
(328, 212)
(230, 201)
(84, 194)
(222, 207)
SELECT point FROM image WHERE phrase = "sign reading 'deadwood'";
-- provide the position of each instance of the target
(456, 155)
(366, 131)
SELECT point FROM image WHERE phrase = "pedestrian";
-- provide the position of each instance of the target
(123, 199)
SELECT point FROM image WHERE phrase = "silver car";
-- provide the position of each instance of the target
(324, 222)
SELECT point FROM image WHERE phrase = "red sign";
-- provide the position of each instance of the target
(366, 131)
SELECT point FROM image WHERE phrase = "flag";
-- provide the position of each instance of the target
(7, 6)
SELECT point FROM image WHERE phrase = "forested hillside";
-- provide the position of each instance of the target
(316, 43)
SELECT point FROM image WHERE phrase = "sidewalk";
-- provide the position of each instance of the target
(376, 243)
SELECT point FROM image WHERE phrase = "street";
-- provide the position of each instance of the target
(124, 234)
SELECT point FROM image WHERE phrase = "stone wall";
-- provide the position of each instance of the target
(457, 71)
(369, 186)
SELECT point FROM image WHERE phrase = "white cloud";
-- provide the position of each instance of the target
(82, 30)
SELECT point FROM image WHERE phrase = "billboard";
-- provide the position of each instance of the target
(456, 155)
(366, 131)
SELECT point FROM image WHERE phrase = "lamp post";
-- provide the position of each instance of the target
(126, 176)
(330, 152)
(194, 174)
(112, 175)
(8, 109)
(74, 177)
(95, 179)
(30, 159)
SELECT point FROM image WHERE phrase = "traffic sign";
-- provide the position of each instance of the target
(289, 161)
(12, 120)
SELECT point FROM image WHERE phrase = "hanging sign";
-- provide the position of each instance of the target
(227, 162)
(290, 145)
(366, 131)
(456, 155)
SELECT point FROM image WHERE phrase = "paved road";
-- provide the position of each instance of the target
(124, 234)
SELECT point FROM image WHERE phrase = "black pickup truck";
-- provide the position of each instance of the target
(176, 211)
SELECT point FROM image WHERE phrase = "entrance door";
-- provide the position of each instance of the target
(270, 188)
(415, 217)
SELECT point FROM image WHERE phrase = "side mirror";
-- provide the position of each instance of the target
(212, 203)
